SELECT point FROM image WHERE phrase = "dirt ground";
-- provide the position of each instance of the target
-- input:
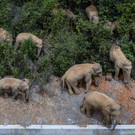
(57, 107)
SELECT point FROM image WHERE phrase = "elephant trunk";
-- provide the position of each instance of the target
(97, 81)
(116, 121)
(128, 80)
(27, 94)
(10, 43)
(115, 124)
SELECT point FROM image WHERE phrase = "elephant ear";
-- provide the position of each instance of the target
(111, 109)
(20, 87)
(91, 71)
(97, 67)
(4, 37)
(127, 63)
(9, 37)
(120, 64)
(108, 108)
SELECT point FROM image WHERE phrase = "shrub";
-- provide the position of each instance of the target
(72, 42)
(44, 68)
(28, 48)
(69, 49)
(13, 63)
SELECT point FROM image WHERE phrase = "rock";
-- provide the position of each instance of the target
(108, 77)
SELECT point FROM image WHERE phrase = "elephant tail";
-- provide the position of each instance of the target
(63, 81)
(83, 102)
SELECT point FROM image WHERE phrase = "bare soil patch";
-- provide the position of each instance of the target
(57, 107)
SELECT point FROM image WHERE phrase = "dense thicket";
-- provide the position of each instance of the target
(66, 42)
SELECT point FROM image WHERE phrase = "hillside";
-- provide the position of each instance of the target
(67, 39)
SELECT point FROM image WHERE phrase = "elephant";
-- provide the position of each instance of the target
(78, 72)
(112, 25)
(16, 86)
(65, 12)
(92, 14)
(99, 101)
(121, 62)
(22, 36)
(5, 36)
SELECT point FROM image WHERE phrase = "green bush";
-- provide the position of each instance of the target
(44, 64)
(44, 68)
(72, 42)
(28, 48)
(26, 16)
(13, 63)
(69, 49)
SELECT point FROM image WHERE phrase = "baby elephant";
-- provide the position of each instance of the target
(22, 36)
(17, 86)
(78, 72)
(92, 14)
(98, 101)
(5, 36)
(121, 62)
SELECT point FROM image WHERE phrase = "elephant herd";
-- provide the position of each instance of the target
(93, 99)
(5, 36)
(92, 14)
(85, 71)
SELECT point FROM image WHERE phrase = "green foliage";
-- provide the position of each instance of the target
(69, 49)
(59, 22)
(127, 47)
(13, 63)
(72, 42)
(44, 64)
(108, 9)
(28, 48)
(44, 68)
(33, 16)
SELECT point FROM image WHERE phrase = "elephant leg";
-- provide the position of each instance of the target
(6, 95)
(126, 78)
(88, 111)
(39, 50)
(74, 85)
(88, 83)
(83, 109)
(15, 95)
(70, 88)
(108, 122)
(17, 45)
(24, 96)
(107, 119)
(116, 73)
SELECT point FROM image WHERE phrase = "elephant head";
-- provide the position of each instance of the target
(8, 38)
(95, 19)
(97, 71)
(114, 110)
(127, 67)
(24, 87)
